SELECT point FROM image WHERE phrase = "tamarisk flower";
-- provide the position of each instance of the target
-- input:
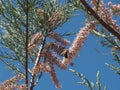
(54, 77)
(36, 39)
(105, 13)
(47, 67)
(114, 8)
(78, 42)
(14, 87)
(11, 83)
(59, 39)
(22, 87)
(41, 67)
(51, 57)
(10, 87)
(31, 47)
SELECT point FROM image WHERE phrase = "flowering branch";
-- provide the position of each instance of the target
(93, 13)
(56, 52)
(59, 39)
(12, 83)
(54, 77)
(36, 39)
(78, 42)
(114, 8)
(52, 59)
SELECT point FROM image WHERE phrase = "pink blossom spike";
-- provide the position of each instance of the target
(106, 14)
(51, 57)
(59, 39)
(78, 42)
(11, 83)
(40, 67)
(36, 38)
(54, 77)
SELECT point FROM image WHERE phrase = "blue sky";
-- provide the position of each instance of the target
(92, 57)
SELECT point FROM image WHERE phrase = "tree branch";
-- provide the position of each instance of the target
(110, 29)
(26, 58)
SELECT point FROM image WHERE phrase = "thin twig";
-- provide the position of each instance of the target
(36, 63)
(39, 53)
(92, 12)
(26, 63)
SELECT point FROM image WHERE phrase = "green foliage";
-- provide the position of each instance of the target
(13, 29)
(88, 83)
(116, 57)
(12, 36)
(108, 40)
(114, 68)
(76, 3)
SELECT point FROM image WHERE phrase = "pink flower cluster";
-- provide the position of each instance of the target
(114, 8)
(105, 13)
(78, 42)
(12, 83)
(36, 39)
(49, 68)
(54, 77)
(41, 67)
(59, 39)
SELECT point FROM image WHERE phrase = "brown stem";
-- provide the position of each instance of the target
(92, 12)
(26, 58)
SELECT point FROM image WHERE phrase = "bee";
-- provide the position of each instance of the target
(65, 53)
